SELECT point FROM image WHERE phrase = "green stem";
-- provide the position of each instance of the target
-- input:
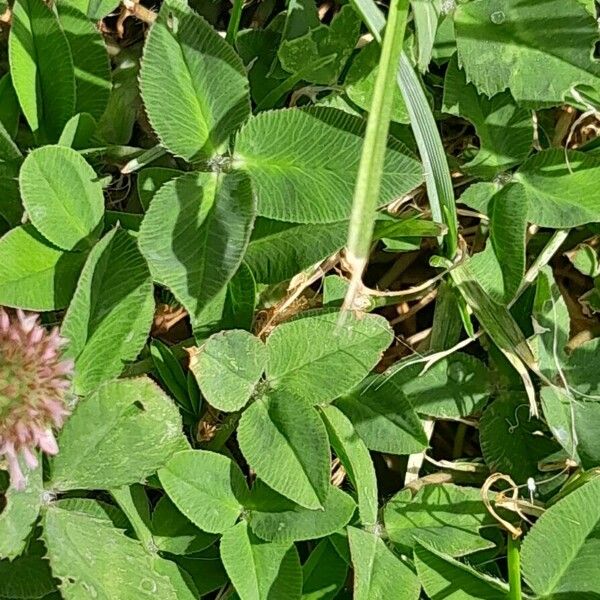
(234, 21)
(459, 441)
(368, 181)
(514, 568)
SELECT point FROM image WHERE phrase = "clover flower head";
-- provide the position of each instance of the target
(34, 381)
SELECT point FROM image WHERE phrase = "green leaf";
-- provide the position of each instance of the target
(193, 84)
(240, 300)
(228, 368)
(20, 513)
(505, 131)
(563, 416)
(427, 15)
(478, 196)
(174, 533)
(499, 41)
(91, 63)
(324, 573)
(335, 288)
(232, 308)
(552, 322)
(279, 250)
(318, 359)
(181, 581)
(376, 567)
(94, 9)
(333, 43)
(446, 517)
(171, 374)
(62, 195)
(206, 570)
(455, 386)
(9, 106)
(585, 259)
(573, 415)
(383, 417)
(507, 233)
(208, 488)
(486, 269)
(98, 509)
(210, 318)
(150, 180)
(25, 577)
(509, 437)
(35, 275)
(41, 68)
(444, 578)
(359, 84)
(276, 519)
(495, 319)
(582, 371)
(130, 418)
(78, 132)
(561, 195)
(301, 16)
(304, 163)
(124, 103)
(8, 149)
(94, 560)
(408, 227)
(195, 233)
(11, 209)
(559, 553)
(356, 460)
(258, 49)
(109, 318)
(135, 505)
(260, 570)
(591, 299)
(285, 442)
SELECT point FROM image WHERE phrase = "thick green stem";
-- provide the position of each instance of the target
(514, 568)
(234, 21)
(368, 182)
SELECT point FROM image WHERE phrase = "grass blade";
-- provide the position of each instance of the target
(372, 17)
(431, 149)
(371, 164)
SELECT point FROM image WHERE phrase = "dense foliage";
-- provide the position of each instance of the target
(215, 400)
